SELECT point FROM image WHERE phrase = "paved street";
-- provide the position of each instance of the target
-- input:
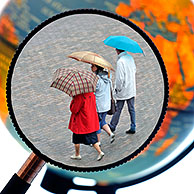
(43, 112)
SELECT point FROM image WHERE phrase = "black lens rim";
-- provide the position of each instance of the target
(110, 15)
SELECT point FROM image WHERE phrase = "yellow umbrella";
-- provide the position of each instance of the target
(92, 58)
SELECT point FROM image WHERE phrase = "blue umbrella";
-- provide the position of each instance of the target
(123, 43)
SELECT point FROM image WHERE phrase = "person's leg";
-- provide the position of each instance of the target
(97, 147)
(100, 124)
(100, 153)
(76, 156)
(116, 115)
(106, 127)
(98, 135)
(77, 149)
(76, 139)
(109, 132)
(131, 109)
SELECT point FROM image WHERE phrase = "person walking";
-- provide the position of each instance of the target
(125, 89)
(103, 99)
(84, 123)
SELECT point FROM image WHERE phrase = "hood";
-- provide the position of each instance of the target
(104, 76)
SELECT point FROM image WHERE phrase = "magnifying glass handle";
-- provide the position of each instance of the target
(20, 182)
(15, 185)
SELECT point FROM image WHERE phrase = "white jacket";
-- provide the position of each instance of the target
(102, 93)
(125, 83)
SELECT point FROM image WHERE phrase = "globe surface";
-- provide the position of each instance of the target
(170, 25)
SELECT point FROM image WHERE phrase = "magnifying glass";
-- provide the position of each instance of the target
(41, 114)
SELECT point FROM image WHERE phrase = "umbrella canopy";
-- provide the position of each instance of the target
(123, 43)
(91, 58)
(74, 81)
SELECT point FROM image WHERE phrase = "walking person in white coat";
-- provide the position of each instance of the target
(125, 89)
(103, 97)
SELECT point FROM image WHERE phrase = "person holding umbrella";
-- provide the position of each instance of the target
(80, 85)
(84, 123)
(103, 87)
(103, 91)
(125, 82)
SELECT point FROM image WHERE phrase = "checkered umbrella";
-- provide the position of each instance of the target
(74, 81)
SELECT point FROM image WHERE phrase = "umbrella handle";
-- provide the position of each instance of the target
(108, 73)
(20, 182)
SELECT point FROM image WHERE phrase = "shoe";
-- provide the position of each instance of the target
(74, 157)
(112, 129)
(100, 156)
(112, 138)
(130, 131)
